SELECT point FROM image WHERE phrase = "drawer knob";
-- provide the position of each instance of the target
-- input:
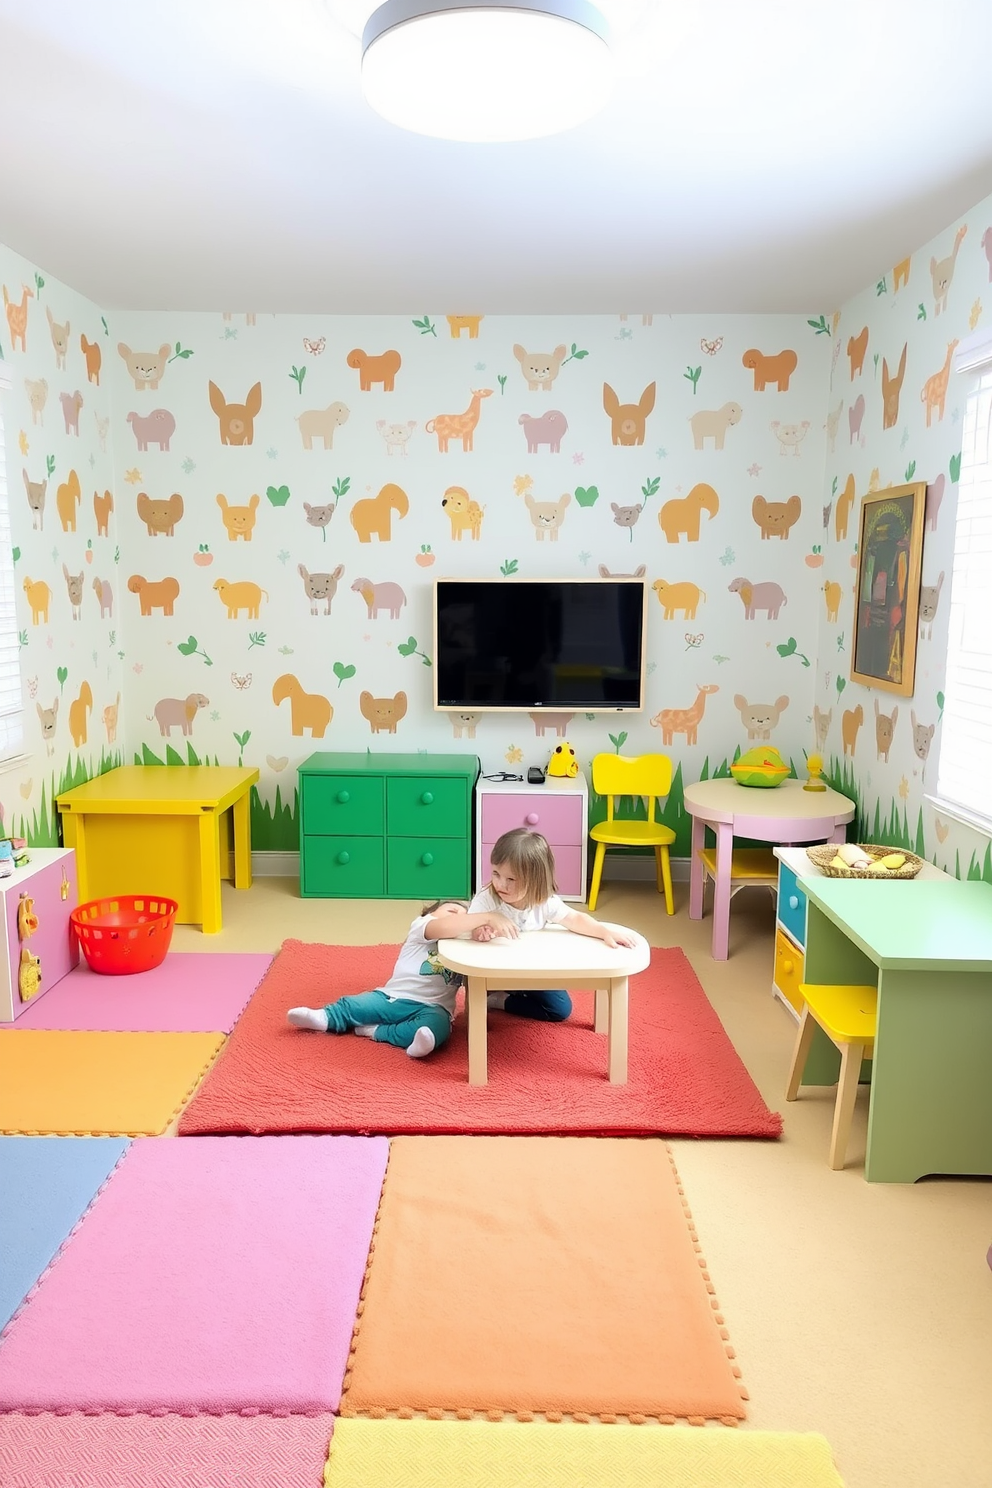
(793, 901)
(427, 859)
(532, 818)
(788, 966)
(344, 857)
(344, 796)
(428, 798)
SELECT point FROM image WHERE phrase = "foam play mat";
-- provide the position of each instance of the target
(538, 1275)
(191, 992)
(506, 1454)
(213, 1275)
(99, 1084)
(77, 1451)
(685, 1077)
(46, 1184)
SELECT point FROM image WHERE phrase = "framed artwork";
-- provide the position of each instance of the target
(887, 593)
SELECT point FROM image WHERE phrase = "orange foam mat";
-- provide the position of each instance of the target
(98, 1084)
(538, 1276)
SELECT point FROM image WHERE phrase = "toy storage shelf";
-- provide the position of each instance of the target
(790, 922)
(49, 879)
(557, 809)
(386, 826)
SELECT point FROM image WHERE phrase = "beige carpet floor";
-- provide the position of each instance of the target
(862, 1311)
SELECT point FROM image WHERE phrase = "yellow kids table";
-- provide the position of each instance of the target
(162, 829)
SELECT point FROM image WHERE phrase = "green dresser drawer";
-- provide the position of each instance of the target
(428, 868)
(343, 806)
(342, 867)
(427, 806)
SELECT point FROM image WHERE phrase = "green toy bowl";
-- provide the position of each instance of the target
(760, 767)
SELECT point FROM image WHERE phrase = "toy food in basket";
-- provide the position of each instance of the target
(128, 933)
(847, 860)
(760, 767)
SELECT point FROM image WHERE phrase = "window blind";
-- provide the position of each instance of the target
(964, 778)
(11, 702)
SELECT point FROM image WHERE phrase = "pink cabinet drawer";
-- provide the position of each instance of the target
(559, 819)
(568, 868)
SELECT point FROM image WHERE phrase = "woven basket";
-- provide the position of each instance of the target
(823, 858)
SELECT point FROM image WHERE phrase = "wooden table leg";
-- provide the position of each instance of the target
(601, 1020)
(721, 890)
(476, 1013)
(617, 1047)
(210, 910)
(241, 814)
(696, 869)
(74, 836)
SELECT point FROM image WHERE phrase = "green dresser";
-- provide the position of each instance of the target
(386, 826)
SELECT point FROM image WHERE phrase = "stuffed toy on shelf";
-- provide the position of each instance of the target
(563, 761)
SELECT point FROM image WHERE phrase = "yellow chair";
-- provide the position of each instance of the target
(649, 776)
(848, 1017)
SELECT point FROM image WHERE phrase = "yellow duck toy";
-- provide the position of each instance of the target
(563, 761)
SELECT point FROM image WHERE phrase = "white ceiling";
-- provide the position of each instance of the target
(758, 155)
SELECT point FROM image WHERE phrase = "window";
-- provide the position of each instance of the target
(964, 779)
(11, 703)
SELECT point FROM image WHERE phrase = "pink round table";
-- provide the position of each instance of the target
(783, 815)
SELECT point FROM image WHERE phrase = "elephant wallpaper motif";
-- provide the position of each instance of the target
(264, 501)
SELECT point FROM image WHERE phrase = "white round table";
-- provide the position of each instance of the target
(540, 959)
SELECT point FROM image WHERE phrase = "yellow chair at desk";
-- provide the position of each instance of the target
(649, 776)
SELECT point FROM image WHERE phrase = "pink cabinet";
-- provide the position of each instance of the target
(49, 880)
(556, 809)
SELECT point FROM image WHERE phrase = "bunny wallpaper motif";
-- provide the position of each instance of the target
(263, 502)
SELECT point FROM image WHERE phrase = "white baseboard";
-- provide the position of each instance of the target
(621, 867)
(275, 864)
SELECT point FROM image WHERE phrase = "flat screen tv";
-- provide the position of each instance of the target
(525, 644)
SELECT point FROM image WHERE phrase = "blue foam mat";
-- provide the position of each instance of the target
(46, 1183)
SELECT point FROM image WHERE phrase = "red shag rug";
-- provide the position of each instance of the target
(685, 1077)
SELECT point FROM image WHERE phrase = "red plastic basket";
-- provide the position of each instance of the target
(126, 934)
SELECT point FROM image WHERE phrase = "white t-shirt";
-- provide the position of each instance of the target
(552, 911)
(418, 975)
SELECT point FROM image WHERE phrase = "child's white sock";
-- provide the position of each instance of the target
(315, 1018)
(497, 1000)
(423, 1043)
(365, 1030)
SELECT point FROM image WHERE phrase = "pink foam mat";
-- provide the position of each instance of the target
(191, 992)
(212, 1275)
(42, 1451)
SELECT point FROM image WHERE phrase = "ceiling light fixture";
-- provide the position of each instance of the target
(481, 71)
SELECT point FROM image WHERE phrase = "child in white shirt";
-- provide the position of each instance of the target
(522, 889)
(415, 1008)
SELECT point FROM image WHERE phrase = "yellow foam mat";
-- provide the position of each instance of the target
(537, 1454)
(98, 1084)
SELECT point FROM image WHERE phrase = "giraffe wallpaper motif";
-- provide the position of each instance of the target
(268, 500)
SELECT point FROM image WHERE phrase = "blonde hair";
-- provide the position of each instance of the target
(530, 860)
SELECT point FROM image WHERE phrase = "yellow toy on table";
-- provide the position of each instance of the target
(563, 761)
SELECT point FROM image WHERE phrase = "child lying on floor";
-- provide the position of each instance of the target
(415, 1008)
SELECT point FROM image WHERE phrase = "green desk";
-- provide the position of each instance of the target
(928, 946)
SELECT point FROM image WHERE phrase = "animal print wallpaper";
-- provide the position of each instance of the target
(894, 415)
(288, 487)
(266, 500)
(61, 481)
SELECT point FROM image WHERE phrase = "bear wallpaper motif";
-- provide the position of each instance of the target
(250, 511)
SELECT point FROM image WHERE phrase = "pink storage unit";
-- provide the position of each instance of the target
(557, 809)
(49, 879)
